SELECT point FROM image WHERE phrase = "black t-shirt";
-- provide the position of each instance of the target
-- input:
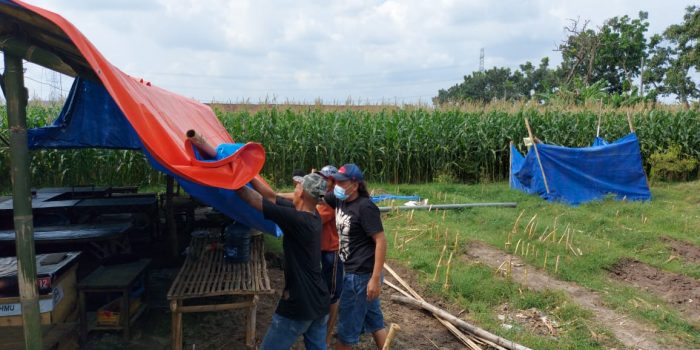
(357, 222)
(305, 295)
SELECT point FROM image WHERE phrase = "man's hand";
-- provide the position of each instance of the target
(374, 288)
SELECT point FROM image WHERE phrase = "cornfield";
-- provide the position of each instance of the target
(390, 144)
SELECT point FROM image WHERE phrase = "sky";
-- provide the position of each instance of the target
(306, 51)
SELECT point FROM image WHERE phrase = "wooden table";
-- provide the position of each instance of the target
(103, 240)
(113, 278)
(80, 206)
(205, 274)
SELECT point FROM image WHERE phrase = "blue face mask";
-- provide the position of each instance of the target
(339, 193)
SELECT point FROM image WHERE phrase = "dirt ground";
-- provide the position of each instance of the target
(685, 251)
(681, 292)
(633, 334)
(226, 330)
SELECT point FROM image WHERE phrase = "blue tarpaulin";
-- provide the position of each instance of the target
(91, 118)
(579, 175)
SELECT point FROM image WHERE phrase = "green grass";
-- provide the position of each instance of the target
(605, 232)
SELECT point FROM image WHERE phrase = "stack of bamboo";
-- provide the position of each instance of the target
(476, 338)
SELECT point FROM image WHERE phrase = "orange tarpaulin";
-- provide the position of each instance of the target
(159, 117)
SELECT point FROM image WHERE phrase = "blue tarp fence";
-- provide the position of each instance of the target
(91, 119)
(580, 175)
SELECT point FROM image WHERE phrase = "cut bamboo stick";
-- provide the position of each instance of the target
(447, 272)
(508, 344)
(437, 268)
(452, 328)
(390, 337)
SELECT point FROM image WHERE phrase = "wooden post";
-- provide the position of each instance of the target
(629, 121)
(597, 132)
(170, 217)
(537, 153)
(16, 95)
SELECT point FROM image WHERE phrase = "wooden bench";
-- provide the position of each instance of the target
(205, 274)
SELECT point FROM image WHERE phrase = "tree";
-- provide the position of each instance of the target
(622, 49)
(495, 83)
(671, 57)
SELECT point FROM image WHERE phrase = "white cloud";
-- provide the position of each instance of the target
(304, 49)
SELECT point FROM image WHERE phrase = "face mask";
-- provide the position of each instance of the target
(339, 193)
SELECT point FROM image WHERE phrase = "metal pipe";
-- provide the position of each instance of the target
(448, 206)
(22, 200)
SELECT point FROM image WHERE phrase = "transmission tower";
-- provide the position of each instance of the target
(481, 60)
(55, 92)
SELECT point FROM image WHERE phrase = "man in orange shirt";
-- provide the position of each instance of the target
(331, 266)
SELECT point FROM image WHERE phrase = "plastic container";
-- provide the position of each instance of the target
(237, 243)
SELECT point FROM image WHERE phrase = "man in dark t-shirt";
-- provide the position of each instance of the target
(362, 250)
(303, 307)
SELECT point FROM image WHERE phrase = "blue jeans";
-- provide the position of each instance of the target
(356, 314)
(283, 333)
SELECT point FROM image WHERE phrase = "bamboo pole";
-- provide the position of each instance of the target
(629, 121)
(510, 164)
(205, 149)
(508, 344)
(16, 95)
(23, 49)
(537, 153)
(170, 217)
(597, 132)
(393, 329)
(452, 328)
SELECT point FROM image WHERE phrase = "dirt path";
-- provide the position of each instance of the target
(681, 292)
(633, 334)
(686, 251)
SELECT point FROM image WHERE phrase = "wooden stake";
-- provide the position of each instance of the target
(544, 266)
(537, 153)
(556, 265)
(629, 121)
(447, 272)
(515, 225)
(390, 337)
(442, 254)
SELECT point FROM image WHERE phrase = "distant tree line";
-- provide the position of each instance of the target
(603, 64)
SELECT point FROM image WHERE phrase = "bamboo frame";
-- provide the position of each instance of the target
(537, 153)
(22, 202)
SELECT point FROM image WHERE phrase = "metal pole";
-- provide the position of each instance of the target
(448, 206)
(22, 200)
